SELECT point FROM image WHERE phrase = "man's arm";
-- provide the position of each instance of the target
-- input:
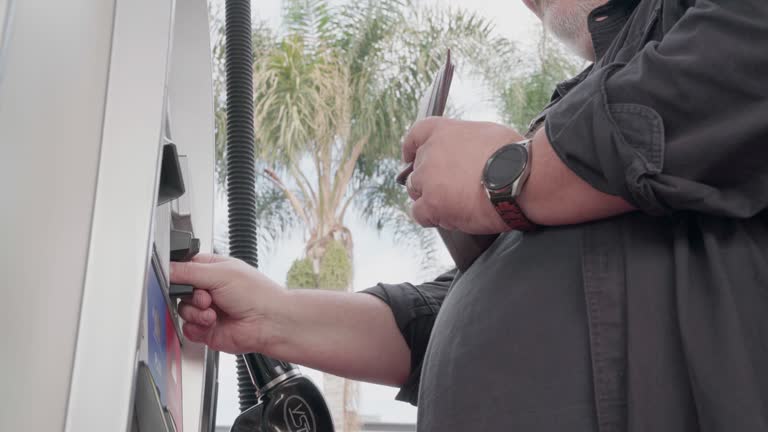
(381, 337)
(683, 124)
(448, 158)
(346, 334)
(554, 195)
(415, 308)
(378, 337)
(236, 309)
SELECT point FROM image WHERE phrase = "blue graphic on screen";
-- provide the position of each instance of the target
(156, 311)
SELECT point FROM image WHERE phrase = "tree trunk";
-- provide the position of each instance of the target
(341, 395)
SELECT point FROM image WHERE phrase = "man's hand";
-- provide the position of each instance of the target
(236, 309)
(448, 159)
(232, 305)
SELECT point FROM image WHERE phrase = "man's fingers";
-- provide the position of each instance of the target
(196, 333)
(206, 258)
(423, 213)
(199, 275)
(413, 192)
(427, 216)
(418, 135)
(191, 314)
(201, 299)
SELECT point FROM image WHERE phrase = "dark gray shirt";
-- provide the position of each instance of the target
(664, 312)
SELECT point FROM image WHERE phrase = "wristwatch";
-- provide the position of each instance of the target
(504, 175)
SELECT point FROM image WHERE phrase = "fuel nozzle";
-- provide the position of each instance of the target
(266, 373)
(288, 401)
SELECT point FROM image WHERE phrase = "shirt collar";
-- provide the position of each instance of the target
(605, 24)
(606, 21)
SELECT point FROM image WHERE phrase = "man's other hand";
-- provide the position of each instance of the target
(448, 160)
(232, 305)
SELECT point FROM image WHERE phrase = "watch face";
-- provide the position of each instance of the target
(506, 166)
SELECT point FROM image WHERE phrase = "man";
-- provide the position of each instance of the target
(637, 297)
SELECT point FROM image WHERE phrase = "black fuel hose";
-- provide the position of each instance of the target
(241, 163)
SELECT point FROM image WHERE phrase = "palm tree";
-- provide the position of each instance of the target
(523, 93)
(334, 96)
(335, 90)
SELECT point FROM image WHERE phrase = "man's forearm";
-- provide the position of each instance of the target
(347, 334)
(554, 195)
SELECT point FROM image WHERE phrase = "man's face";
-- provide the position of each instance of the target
(567, 20)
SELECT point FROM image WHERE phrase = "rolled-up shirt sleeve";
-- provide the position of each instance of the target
(414, 308)
(682, 125)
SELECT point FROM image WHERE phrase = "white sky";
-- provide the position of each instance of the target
(376, 257)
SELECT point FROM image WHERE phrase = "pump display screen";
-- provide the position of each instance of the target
(156, 334)
(163, 347)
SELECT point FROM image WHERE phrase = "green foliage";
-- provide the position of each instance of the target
(395, 57)
(335, 90)
(273, 212)
(523, 96)
(335, 267)
(335, 270)
(384, 203)
(301, 275)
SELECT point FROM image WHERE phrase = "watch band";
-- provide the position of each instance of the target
(512, 214)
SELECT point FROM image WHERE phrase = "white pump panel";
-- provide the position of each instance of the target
(85, 88)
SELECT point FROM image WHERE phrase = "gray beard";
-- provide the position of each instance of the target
(569, 25)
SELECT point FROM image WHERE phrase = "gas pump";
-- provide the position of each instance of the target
(107, 172)
(106, 130)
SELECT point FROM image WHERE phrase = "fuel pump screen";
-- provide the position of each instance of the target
(163, 347)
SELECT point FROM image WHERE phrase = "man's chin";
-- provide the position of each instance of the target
(580, 48)
(580, 45)
(568, 23)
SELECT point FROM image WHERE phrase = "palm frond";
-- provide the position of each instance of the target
(415, 51)
(385, 205)
(274, 213)
(523, 94)
(298, 100)
(310, 20)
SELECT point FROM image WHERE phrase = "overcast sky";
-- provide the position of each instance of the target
(376, 257)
